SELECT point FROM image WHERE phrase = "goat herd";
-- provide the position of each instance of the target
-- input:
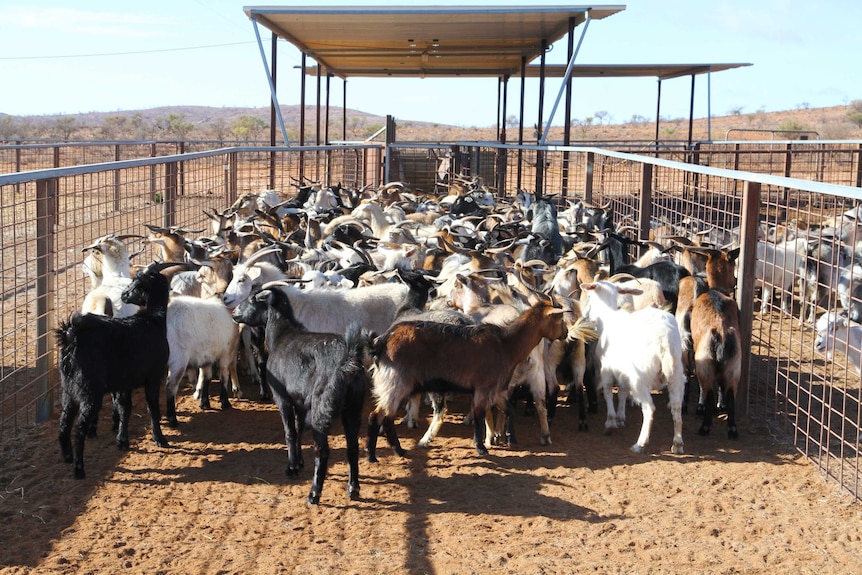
(334, 291)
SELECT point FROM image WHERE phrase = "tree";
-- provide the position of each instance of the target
(113, 127)
(601, 115)
(175, 125)
(64, 127)
(854, 114)
(247, 127)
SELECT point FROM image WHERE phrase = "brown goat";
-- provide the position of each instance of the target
(419, 356)
(717, 355)
(719, 268)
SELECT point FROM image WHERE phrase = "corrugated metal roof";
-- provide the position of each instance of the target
(423, 40)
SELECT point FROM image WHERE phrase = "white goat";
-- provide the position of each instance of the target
(113, 276)
(641, 351)
(201, 332)
(837, 332)
(776, 267)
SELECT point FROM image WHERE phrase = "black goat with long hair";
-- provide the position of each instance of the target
(316, 374)
(100, 354)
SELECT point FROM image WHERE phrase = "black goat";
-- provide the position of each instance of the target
(101, 354)
(315, 374)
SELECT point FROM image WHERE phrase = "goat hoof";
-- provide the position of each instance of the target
(162, 442)
(172, 422)
(79, 473)
(545, 440)
(637, 448)
(205, 405)
(677, 449)
(703, 431)
(482, 450)
(353, 493)
(732, 433)
(313, 499)
(291, 471)
(225, 405)
(123, 445)
(583, 425)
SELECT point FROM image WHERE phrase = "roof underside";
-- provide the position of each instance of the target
(661, 71)
(423, 40)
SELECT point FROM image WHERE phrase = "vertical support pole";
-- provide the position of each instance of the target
(46, 213)
(317, 119)
(390, 139)
(691, 112)
(588, 177)
(272, 117)
(502, 154)
(302, 118)
(645, 202)
(657, 115)
(745, 285)
(169, 207)
(56, 156)
(567, 127)
(521, 121)
(540, 155)
(344, 112)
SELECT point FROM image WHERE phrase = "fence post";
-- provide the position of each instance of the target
(588, 177)
(169, 208)
(858, 183)
(231, 179)
(745, 285)
(46, 212)
(117, 179)
(645, 201)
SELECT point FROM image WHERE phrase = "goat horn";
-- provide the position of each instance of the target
(259, 254)
(130, 236)
(617, 277)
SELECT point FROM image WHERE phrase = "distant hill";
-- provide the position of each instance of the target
(237, 123)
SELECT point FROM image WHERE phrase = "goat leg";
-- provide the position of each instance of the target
(321, 464)
(708, 413)
(730, 400)
(479, 430)
(151, 393)
(67, 417)
(122, 406)
(351, 420)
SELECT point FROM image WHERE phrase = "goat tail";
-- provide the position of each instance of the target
(584, 330)
(723, 347)
(67, 341)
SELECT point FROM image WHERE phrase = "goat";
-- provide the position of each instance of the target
(200, 333)
(101, 354)
(314, 374)
(110, 279)
(416, 356)
(717, 355)
(835, 331)
(641, 351)
(776, 267)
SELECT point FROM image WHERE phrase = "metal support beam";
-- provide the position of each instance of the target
(566, 79)
(271, 82)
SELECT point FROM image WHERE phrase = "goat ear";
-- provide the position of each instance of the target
(253, 272)
(589, 285)
(733, 254)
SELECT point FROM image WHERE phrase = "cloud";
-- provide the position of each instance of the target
(80, 22)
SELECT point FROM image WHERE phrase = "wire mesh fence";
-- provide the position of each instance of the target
(47, 217)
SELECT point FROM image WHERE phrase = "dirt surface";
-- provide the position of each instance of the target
(217, 501)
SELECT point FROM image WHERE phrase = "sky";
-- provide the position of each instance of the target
(66, 57)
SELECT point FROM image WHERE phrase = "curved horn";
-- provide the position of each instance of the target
(617, 277)
(259, 254)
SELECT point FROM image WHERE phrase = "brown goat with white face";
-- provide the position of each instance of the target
(416, 356)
